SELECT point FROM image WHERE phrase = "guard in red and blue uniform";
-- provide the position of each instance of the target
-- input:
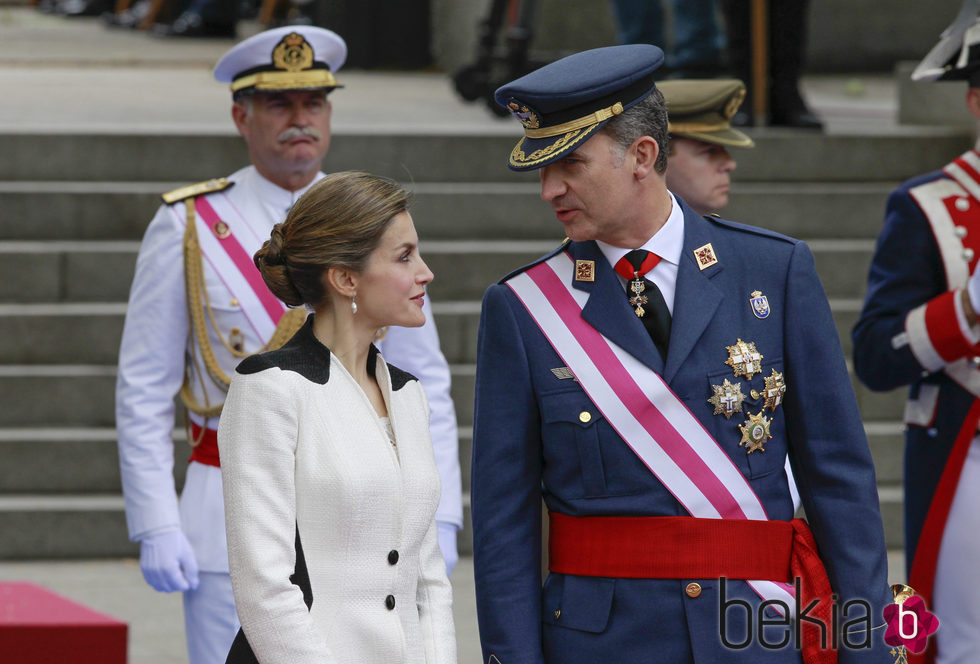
(731, 325)
(919, 328)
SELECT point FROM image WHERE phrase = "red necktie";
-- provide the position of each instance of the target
(641, 291)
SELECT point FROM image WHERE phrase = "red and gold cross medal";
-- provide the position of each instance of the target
(638, 299)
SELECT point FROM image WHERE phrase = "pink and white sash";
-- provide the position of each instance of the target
(639, 405)
(231, 260)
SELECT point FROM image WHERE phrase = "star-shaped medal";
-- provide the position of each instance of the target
(774, 392)
(744, 359)
(727, 399)
(755, 433)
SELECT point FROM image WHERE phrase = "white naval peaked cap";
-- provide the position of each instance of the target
(957, 55)
(293, 57)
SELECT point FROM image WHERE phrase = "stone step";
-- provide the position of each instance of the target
(83, 395)
(102, 271)
(444, 210)
(84, 460)
(780, 155)
(89, 332)
(39, 527)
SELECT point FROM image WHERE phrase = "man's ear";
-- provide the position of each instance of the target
(239, 113)
(341, 280)
(973, 102)
(645, 150)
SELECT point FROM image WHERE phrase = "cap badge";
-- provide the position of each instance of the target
(705, 256)
(527, 117)
(744, 359)
(293, 53)
(760, 304)
(755, 433)
(732, 106)
(584, 270)
(727, 399)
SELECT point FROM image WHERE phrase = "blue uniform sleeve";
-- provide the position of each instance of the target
(830, 455)
(905, 273)
(506, 488)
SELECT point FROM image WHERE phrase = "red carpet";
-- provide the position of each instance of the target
(37, 627)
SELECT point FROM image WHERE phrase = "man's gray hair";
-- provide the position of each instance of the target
(646, 118)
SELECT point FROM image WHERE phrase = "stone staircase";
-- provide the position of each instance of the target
(73, 209)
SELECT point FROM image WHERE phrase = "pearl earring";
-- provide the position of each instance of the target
(353, 304)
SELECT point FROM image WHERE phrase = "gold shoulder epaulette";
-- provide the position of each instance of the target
(206, 187)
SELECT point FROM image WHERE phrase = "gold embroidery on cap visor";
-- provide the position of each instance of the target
(284, 80)
(518, 158)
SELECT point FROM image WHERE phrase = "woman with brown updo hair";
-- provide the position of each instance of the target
(330, 483)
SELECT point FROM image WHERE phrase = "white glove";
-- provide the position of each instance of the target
(973, 290)
(168, 562)
(447, 544)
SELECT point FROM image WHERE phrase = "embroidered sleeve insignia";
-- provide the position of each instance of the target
(744, 359)
(755, 433)
(760, 304)
(727, 399)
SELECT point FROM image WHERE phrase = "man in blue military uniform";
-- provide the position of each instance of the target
(919, 328)
(647, 380)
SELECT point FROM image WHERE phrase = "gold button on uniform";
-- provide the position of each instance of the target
(693, 589)
(234, 302)
(557, 614)
(585, 416)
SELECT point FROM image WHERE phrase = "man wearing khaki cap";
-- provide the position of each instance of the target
(699, 167)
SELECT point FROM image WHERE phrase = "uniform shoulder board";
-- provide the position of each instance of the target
(755, 230)
(198, 189)
(564, 243)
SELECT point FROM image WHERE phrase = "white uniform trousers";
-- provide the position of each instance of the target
(210, 619)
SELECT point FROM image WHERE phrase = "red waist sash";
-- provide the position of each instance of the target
(691, 548)
(206, 449)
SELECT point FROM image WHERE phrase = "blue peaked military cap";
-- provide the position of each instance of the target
(564, 103)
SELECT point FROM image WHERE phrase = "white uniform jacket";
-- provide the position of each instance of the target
(306, 459)
(156, 346)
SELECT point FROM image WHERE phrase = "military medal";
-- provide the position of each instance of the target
(639, 299)
(760, 304)
(755, 433)
(775, 389)
(221, 230)
(744, 359)
(562, 373)
(584, 270)
(705, 256)
(727, 399)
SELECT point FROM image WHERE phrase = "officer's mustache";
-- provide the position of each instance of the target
(298, 132)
